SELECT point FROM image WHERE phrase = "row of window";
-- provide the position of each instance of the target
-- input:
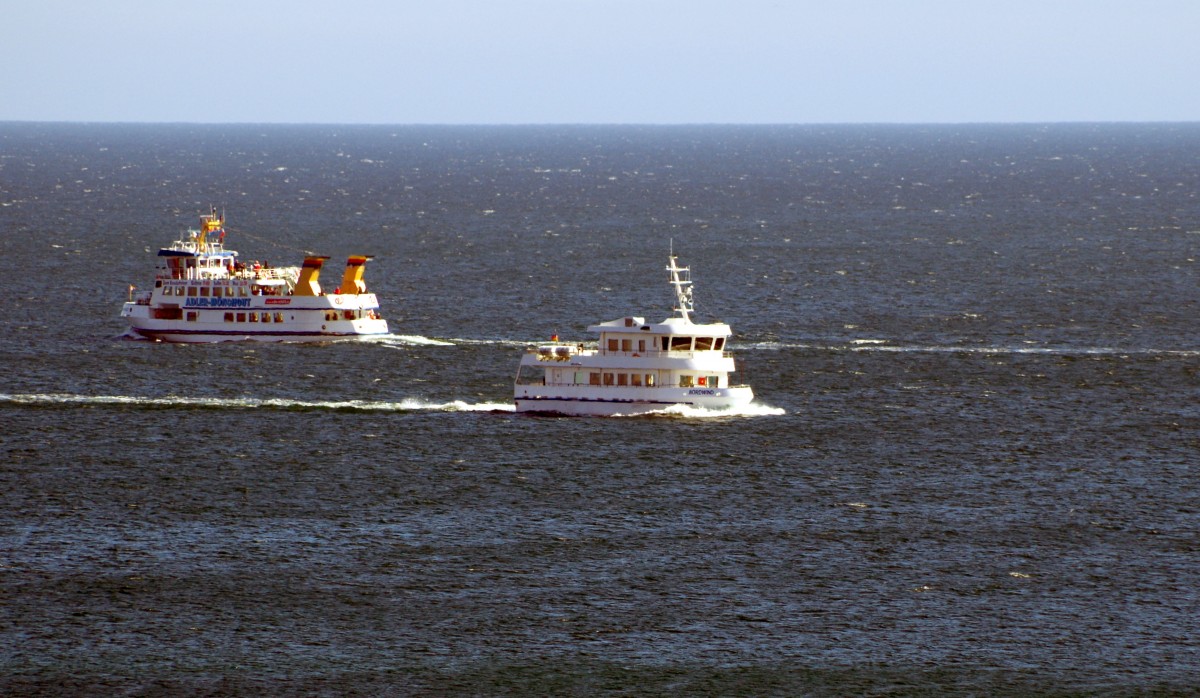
(620, 378)
(194, 263)
(193, 316)
(204, 291)
(670, 343)
(253, 317)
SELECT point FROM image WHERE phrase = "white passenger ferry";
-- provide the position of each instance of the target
(203, 293)
(636, 367)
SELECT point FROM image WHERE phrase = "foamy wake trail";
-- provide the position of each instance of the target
(754, 409)
(496, 342)
(403, 340)
(406, 405)
(881, 346)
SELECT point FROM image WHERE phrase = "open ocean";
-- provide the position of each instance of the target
(972, 468)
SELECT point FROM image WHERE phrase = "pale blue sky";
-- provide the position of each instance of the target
(599, 61)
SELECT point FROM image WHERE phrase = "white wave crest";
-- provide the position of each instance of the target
(411, 340)
(754, 409)
(880, 346)
(406, 405)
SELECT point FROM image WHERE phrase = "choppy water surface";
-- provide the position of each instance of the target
(971, 468)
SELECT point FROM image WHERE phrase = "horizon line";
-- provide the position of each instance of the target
(666, 124)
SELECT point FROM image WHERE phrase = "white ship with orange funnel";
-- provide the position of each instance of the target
(203, 293)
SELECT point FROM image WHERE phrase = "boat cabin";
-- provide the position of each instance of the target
(631, 335)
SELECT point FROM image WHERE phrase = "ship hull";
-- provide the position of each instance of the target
(281, 335)
(619, 402)
(300, 329)
(297, 325)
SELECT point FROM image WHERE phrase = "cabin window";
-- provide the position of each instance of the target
(229, 292)
(635, 379)
(278, 317)
(626, 345)
(594, 379)
(203, 290)
(649, 380)
(612, 345)
(192, 315)
(681, 343)
(704, 343)
(253, 317)
(228, 317)
(581, 377)
(192, 291)
(622, 379)
(266, 317)
(608, 379)
(241, 317)
(243, 291)
(666, 343)
(686, 381)
(641, 345)
(719, 344)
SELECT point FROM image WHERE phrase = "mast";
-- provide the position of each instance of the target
(211, 223)
(681, 279)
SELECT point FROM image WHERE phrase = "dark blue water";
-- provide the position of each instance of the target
(973, 468)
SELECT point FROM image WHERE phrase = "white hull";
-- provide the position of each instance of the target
(281, 333)
(298, 325)
(613, 402)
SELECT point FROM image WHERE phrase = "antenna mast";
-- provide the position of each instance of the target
(681, 279)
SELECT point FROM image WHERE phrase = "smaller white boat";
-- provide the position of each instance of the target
(203, 293)
(636, 367)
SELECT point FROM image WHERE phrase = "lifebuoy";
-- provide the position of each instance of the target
(337, 299)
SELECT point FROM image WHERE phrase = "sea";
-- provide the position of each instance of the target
(972, 466)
